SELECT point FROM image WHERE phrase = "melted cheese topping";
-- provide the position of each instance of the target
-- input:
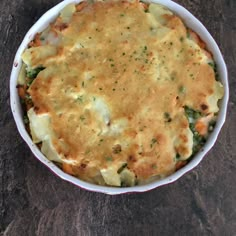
(113, 91)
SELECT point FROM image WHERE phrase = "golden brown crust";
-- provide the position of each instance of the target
(110, 54)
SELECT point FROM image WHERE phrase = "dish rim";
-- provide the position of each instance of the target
(192, 22)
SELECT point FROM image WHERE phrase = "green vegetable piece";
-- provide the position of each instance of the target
(26, 120)
(192, 114)
(32, 73)
(213, 66)
(198, 140)
(177, 157)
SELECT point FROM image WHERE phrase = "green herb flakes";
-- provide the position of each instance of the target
(167, 117)
(109, 158)
(153, 142)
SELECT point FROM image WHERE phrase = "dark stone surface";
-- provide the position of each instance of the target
(35, 202)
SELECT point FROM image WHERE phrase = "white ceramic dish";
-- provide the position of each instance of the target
(192, 23)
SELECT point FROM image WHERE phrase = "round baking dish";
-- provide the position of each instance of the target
(194, 24)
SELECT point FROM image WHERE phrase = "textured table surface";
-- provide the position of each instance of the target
(35, 202)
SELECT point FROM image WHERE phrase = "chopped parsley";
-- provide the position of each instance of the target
(109, 158)
(177, 157)
(82, 118)
(154, 166)
(182, 89)
(153, 141)
(80, 99)
(167, 117)
(212, 65)
(188, 34)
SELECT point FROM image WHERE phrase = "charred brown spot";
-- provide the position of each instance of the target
(36, 42)
(180, 164)
(61, 26)
(132, 158)
(83, 166)
(36, 108)
(40, 145)
(81, 6)
(204, 107)
(116, 149)
(34, 88)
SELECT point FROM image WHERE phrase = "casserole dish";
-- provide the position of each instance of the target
(193, 24)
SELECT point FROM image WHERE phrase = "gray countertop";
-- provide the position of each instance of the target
(33, 201)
